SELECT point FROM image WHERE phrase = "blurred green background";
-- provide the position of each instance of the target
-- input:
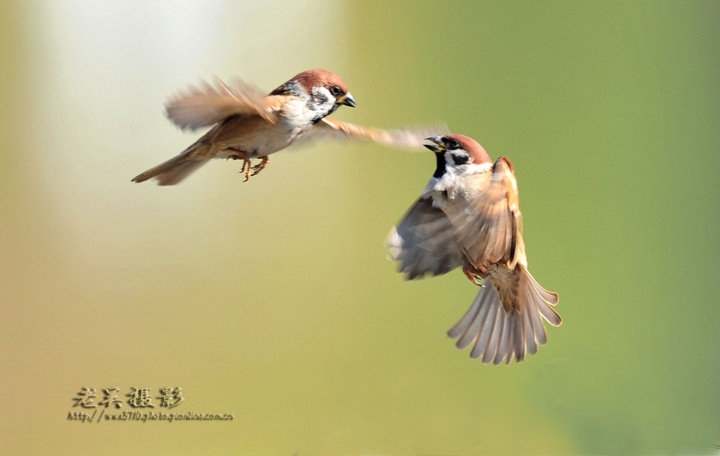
(273, 299)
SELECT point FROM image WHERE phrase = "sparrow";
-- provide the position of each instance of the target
(469, 216)
(251, 125)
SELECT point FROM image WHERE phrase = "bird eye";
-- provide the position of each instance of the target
(452, 143)
(335, 91)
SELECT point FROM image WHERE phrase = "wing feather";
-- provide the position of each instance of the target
(408, 137)
(424, 242)
(489, 228)
(209, 103)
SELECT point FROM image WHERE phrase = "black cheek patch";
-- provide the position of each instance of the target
(460, 159)
(320, 98)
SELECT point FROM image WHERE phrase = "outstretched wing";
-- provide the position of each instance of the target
(408, 137)
(210, 103)
(489, 228)
(424, 242)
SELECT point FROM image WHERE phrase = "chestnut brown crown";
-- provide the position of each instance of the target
(310, 79)
(320, 78)
(477, 153)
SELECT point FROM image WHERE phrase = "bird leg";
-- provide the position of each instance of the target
(247, 162)
(473, 274)
(260, 166)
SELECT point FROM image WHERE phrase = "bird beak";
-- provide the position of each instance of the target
(437, 144)
(347, 100)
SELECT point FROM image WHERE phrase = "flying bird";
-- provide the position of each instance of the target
(469, 216)
(247, 124)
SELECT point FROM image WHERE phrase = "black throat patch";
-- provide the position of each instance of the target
(321, 116)
(440, 165)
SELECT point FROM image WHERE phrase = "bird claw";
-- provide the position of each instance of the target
(247, 163)
(473, 275)
(247, 167)
(260, 166)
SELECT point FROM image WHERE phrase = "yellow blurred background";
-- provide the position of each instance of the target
(273, 300)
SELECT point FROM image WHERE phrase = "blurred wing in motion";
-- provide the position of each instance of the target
(208, 104)
(424, 242)
(409, 138)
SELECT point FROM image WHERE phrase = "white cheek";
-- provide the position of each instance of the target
(321, 93)
(453, 183)
(449, 159)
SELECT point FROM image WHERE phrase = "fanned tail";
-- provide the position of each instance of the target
(504, 318)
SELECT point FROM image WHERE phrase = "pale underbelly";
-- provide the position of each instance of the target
(259, 147)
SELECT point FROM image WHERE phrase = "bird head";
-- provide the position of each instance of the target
(455, 151)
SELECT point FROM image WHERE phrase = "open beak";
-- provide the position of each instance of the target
(347, 100)
(436, 144)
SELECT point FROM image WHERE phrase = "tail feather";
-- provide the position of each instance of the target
(531, 321)
(505, 318)
(497, 330)
(544, 300)
(481, 338)
(470, 325)
(179, 167)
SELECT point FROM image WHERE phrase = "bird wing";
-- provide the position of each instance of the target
(424, 242)
(408, 137)
(489, 226)
(209, 103)
(504, 320)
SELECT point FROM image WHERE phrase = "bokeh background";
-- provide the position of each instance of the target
(273, 299)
